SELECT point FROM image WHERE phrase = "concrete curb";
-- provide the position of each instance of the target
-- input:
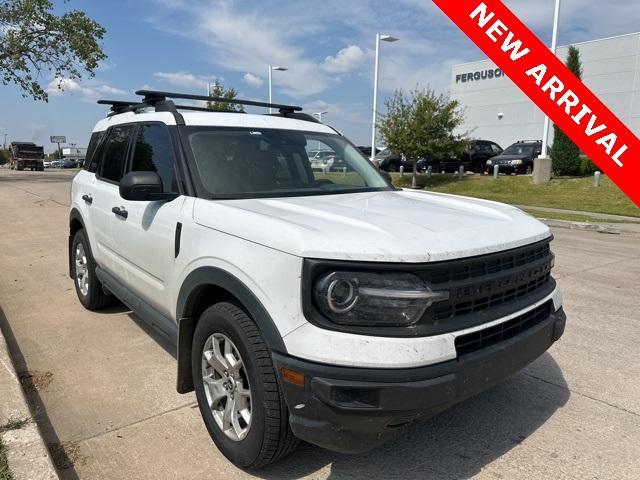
(26, 452)
(592, 227)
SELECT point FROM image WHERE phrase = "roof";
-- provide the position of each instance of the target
(215, 119)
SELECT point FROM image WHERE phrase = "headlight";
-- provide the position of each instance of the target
(516, 162)
(373, 299)
(489, 162)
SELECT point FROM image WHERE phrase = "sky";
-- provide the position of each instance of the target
(327, 45)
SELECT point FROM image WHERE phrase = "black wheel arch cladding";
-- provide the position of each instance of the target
(204, 277)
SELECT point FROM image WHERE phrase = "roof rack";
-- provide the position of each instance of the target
(158, 96)
(161, 102)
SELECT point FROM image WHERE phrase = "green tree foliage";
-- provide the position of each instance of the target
(421, 125)
(4, 156)
(565, 155)
(218, 91)
(34, 40)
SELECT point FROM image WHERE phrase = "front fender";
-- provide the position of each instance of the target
(216, 277)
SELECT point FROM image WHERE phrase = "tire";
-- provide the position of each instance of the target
(266, 437)
(88, 288)
(393, 167)
(529, 170)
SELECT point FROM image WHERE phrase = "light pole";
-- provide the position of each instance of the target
(319, 115)
(384, 38)
(554, 46)
(4, 146)
(273, 68)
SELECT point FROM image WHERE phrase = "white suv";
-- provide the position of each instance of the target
(332, 308)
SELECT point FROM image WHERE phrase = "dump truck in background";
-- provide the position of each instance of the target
(26, 155)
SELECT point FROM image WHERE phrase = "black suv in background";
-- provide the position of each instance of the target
(518, 158)
(390, 161)
(474, 157)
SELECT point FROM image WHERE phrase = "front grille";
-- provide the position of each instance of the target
(483, 283)
(491, 264)
(472, 342)
(447, 312)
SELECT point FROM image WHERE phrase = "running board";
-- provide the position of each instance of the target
(145, 311)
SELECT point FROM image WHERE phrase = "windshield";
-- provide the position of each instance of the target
(383, 154)
(518, 150)
(252, 162)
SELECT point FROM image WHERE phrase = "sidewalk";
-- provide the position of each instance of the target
(599, 216)
(26, 453)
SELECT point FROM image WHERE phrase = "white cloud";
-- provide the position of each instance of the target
(252, 80)
(346, 60)
(249, 39)
(182, 79)
(89, 91)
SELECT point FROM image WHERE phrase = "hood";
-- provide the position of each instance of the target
(396, 226)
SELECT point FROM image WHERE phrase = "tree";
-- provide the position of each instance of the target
(422, 125)
(33, 40)
(565, 155)
(217, 90)
(4, 156)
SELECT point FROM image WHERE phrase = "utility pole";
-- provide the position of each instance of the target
(374, 121)
(4, 146)
(554, 47)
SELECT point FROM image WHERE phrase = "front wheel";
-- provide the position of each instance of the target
(237, 388)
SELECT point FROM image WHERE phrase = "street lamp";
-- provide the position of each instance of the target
(554, 46)
(273, 68)
(319, 115)
(384, 38)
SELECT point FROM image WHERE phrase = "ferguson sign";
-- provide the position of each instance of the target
(480, 75)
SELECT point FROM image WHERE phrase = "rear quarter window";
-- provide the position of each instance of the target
(93, 152)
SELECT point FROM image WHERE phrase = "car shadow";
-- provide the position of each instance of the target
(455, 444)
(61, 454)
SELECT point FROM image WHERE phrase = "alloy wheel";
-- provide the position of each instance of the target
(226, 386)
(82, 269)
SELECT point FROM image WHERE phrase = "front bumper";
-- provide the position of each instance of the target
(353, 410)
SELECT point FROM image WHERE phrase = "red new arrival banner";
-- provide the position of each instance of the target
(552, 87)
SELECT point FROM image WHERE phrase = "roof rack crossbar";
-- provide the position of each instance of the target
(151, 96)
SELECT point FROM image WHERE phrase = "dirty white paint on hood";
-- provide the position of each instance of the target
(394, 226)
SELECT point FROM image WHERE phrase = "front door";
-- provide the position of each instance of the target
(145, 238)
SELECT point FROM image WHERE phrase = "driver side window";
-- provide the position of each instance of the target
(153, 152)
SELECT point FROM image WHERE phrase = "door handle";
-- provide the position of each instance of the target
(120, 211)
(87, 198)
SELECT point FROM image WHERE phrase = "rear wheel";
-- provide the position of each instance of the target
(237, 388)
(83, 271)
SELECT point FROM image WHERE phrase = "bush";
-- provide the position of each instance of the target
(587, 167)
(564, 153)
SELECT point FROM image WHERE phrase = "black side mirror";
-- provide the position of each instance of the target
(143, 186)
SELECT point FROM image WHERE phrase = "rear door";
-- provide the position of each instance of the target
(146, 238)
(105, 194)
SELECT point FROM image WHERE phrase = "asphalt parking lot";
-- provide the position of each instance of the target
(101, 385)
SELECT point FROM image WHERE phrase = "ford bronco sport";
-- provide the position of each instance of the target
(294, 312)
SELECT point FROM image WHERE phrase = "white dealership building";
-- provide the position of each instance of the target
(495, 109)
